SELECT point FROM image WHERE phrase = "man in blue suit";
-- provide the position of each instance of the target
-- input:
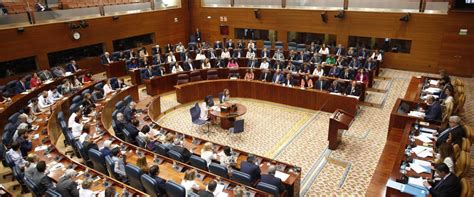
(278, 77)
(250, 168)
(433, 111)
(72, 67)
(130, 111)
(154, 172)
(21, 86)
(272, 180)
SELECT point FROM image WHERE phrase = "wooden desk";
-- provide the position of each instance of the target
(116, 69)
(135, 76)
(228, 118)
(166, 166)
(292, 183)
(20, 101)
(313, 99)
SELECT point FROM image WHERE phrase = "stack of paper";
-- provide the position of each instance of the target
(423, 151)
(432, 90)
(427, 130)
(283, 176)
(420, 169)
(416, 114)
(434, 82)
(416, 181)
(423, 138)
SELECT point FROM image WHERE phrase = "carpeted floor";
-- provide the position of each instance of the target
(299, 136)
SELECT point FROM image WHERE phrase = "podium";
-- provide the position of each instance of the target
(116, 69)
(339, 121)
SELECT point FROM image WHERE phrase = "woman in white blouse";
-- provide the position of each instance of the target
(449, 96)
(324, 50)
(250, 54)
(225, 54)
(318, 71)
(188, 181)
(207, 153)
(446, 155)
(176, 68)
(85, 190)
(107, 88)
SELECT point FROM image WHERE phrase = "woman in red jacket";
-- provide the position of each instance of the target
(35, 81)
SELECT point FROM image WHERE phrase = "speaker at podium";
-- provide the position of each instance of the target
(338, 123)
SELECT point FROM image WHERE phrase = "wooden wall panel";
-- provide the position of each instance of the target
(429, 33)
(38, 40)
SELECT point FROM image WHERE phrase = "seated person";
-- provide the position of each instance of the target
(106, 149)
(72, 67)
(209, 192)
(232, 64)
(271, 179)
(370, 64)
(200, 56)
(130, 111)
(54, 95)
(449, 184)
(34, 107)
(89, 144)
(158, 71)
(188, 181)
(88, 105)
(225, 95)
(335, 87)
(289, 81)
(21, 86)
(445, 155)
(188, 65)
(253, 63)
(353, 89)
(334, 71)
(87, 78)
(304, 69)
(433, 112)
(451, 135)
(15, 155)
(146, 73)
(207, 153)
(66, 185)
(206, 64)
(72, 117)
(278, 65)
(266, 75)
(108, 88)
(250, 168)
(249, 75)
(133, 64)
(157, 59)
(85, 190)
(86, 129)
(278, 77)
(24, 142)
(227, 158)
(306, 82)
(225, 54)
(177, 146)
(35, 81)
(318, 71)
(346, 74)
(142, 163)
(132, 128)
(176, 68)
(204, 107)
(45, 75)
(41, 179)
(320, 84)
(154, 173)
(171, 58)
(362, 76)
(119, 163)
(97, 95)
(58, 71)
(105, 58)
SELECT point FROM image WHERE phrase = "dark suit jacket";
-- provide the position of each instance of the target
(103, 59)
(21, 88)
(336, 89)
(132, 130)
(70, 68)
(272, 180)
(42, 181)
(183, 151)
(457, 134)
(434, 112)
(106, 151)
(205, 193)
(161, 184)
(187, 66)
(355, 92)
(86, 146)
(67, 187)
(280, 80)
(292, 82)
(447, 187)
(251, 169)
(129, 113)
(267, 78)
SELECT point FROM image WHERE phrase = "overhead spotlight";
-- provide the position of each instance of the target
(83, 24)
(406, 17)
(20, 29)
(324, 17)
(115, 18)
(340, 14)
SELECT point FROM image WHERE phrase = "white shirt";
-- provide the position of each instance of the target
(206, 66)
(107, 89)
(225, 55)
(76, 129)
(324, 51)
(318, 73)
(176, 69)
(82, 137)
(208, 156)
(86, 193)
(71, 121)
(376, 57)
(204, 111)
(264, 65)
(188, 186)
(250, 55)
(448, 100)
(16, 157)
(200, 56)
(449, 162)
(43, 102)
(171, 58)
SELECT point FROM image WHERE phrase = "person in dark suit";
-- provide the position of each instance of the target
(23, 141)
(334, 71)
(89, 144)
(188, 65)
(132, 128)
(21, 86)
(41, 179)
(453, 134)
(154, 172)
(320, 84)
(198, 35)
(105, 58)
(106, 149)
(335, 87)
(72, 67)
(353, 89)
(289, 81)
(433, 111)
(339, 50)
(180, 149)
(347, 74)
(211, 187)
(158, 70)
(272, 180)
(130, 111)
(278, 77)
(66, 185)
(251, 168)
(266, 75)
(449, 184)
(146, 73)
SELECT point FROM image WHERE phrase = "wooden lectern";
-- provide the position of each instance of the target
(339, 121)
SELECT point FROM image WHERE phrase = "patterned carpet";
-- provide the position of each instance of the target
(298, 136)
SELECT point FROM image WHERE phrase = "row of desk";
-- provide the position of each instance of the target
(294, 172)
(399, 130)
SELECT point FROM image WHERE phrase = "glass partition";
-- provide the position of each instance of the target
(255, 34)
(67, 14)
(307, 38)
(360, 42)
(133, 42)
(20, 19)
(308, 4)
(385, 5)
(215, 3)
(393, 45)
(18, 66)
(163, 4)
(258, 3)
(126, 8)
(437, 6)
(64, 56)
